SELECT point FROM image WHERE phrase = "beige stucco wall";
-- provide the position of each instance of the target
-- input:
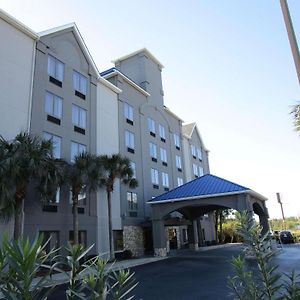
(16, 65)
(16, 71)
(107, 143)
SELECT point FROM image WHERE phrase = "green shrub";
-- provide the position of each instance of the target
(261, 281)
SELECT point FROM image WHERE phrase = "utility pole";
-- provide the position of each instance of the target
(279, 201)
(291, 35)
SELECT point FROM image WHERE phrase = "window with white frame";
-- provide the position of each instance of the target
(53, 105)
(79, 83)
(163, 155)
(165, 179)
(151, 125)
(201, 171)
(56, 198)
(162, 132)
(193, 151)
(195, 170)
(56, 143)
(55, 68)
(176, 141)
(133, 168)
(76, 149)
(78, 116)
(178, 162)
(153, 150)
(129, 140)
(179, 181)
(154, 177)
(132, 201)
(128, 112)
(199, 153)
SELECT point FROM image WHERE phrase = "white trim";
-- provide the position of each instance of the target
(257, 195)
(84, 48)
(202, 197)
(18, 25)
(80, 40)
(137, 52)
(109, 85)
(117, 72)
(189, 136)
(172, 114)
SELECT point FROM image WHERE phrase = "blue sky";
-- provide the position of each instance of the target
(228, 66)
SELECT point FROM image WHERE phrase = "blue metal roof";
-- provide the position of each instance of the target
(205, 185)
(108, 71)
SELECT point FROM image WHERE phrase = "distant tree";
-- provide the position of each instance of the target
(220, 216)
(115, 167)
(25, 160)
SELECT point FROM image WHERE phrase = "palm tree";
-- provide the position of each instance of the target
(115, 167)
(23, 161)
(82, 174)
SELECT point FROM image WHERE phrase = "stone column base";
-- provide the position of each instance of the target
(162, 252)
(194, 247)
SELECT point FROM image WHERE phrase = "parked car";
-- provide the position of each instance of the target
(286, 237)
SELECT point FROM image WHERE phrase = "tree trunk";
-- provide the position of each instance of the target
(216, 225)
(75, 218)
(221, 227)
(110, 231)
(19, 215)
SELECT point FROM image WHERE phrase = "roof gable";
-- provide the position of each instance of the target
(73, 27)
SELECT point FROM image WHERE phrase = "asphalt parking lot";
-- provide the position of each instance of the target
(196, 275)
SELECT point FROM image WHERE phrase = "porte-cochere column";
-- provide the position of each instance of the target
(193, 235)
(159, 238)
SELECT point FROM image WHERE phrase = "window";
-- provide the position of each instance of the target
(128, 113)
(165, 179)
(55, 70)
(151, 126)
(133, 167)
(179, 181)
(199, 153)
(132, 201)
(163, 156)
(153, 151)
(81, 237)
(193, 151)
(56, 142)
(176, 141)
(195, 170)
(53, 107)
(201, 171)
(178, 163)
(79, 118)
(162, 133)
(154, 178)
(51, 205)
(129, 141)
(79, 84)
(52, 237)
(76, 149)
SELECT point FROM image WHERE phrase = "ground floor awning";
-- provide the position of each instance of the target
(200, 196)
